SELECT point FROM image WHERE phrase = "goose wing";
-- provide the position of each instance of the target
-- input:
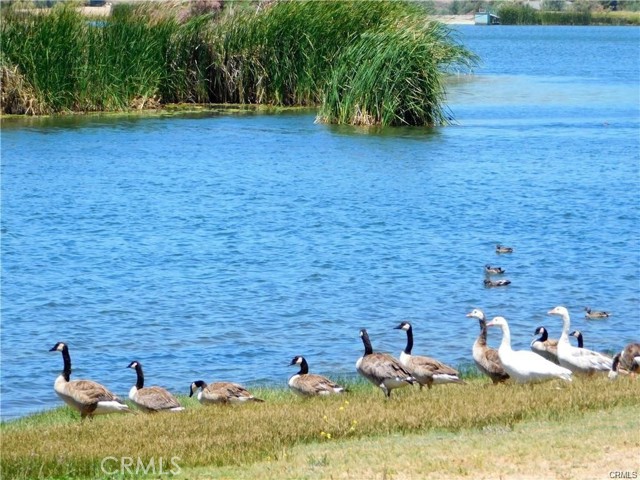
(491, 361)
(590, 359)
(550, 346)
(88, 392)
(225, 392)
(382, 365)
(431, 365)
(320, 384)
(237, 392)
(156, 398)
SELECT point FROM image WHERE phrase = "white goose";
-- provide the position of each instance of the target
(578, 360)
(485, 357)
(525, 366)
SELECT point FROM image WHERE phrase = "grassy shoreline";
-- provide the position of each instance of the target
(210, 441)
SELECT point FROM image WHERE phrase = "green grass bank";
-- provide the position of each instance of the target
(365, 62)
(248, 439)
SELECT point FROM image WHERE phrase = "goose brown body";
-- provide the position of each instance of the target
(308, 384)
(382, 369)
(545, 346)
(221, 392)
(151, 399)
(425, 370)
(486, 358)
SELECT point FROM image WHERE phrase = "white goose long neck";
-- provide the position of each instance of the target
(506, 337)
(566, 324)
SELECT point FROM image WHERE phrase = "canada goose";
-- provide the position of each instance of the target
(86, 396)
(308, 384)
(221, 392)
(489, 270)
(382, 369)
(545, 346)
(525, 366)
(630, 357)
(486, 358)
(578, 335)
(503, 249)
(595, 314)
(578, 360)
(496, 283)
(151, 399)
(426, 370)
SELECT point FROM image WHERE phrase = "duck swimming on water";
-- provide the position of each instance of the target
(595, 314)
(503, 249)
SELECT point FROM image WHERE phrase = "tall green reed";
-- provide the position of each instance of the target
(377, 62)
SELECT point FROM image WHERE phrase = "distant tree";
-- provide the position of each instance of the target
(462, 7)
(629, 5)
(582, 6)
(553, 5)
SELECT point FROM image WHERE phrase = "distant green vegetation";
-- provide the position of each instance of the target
(518, 14)
(366, 62)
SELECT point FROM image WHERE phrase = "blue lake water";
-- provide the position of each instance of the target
(217, 247)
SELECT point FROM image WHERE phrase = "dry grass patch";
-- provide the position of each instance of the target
(585, 445)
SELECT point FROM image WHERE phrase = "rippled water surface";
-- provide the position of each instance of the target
(218, 247)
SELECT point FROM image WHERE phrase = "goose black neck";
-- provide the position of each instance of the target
(543, 336)
(140, 375)
(409, 346)
(616, 361)
(483, 331)
(66, 358)
(367, 344)
(580, 341)
(304, 367)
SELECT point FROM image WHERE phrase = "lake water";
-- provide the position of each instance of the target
(218, 247)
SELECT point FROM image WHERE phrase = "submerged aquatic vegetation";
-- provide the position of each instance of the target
(368, 62)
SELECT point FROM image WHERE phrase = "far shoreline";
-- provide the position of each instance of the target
(468, 19)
